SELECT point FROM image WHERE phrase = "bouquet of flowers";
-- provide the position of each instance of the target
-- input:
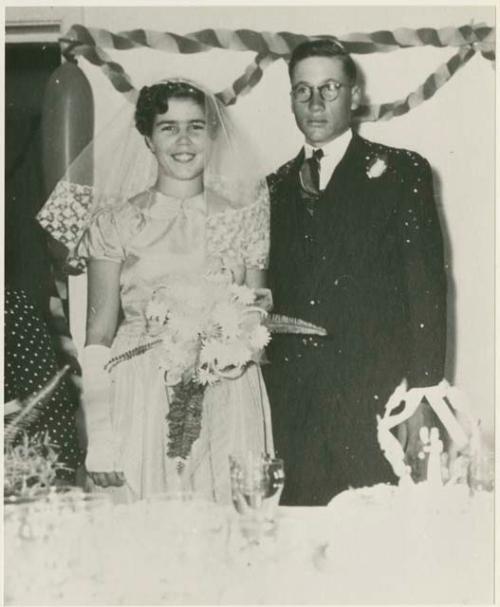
(209, 329)
(205, 328)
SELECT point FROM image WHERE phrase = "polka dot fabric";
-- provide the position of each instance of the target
(29, 364)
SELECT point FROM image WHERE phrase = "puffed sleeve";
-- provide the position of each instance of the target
(256, 237)
(101, 239)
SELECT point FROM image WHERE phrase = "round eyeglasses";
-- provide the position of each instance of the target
(329, 91)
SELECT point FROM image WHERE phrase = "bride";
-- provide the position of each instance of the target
(178, 197)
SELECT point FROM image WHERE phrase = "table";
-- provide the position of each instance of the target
(365, 547)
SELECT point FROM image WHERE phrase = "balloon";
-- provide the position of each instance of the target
(67, 124)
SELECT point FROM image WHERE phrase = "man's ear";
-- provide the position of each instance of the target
(355, 97)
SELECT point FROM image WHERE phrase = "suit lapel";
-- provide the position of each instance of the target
(340, 204)
(336, 214)
(290, 219)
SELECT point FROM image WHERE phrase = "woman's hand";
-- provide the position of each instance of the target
(107, 479)
(101, 461)
(256, 280)
(264, 299)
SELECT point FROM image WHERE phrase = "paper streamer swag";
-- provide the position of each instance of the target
(91, 43)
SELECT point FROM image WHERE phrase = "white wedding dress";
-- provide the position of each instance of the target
(155, 237)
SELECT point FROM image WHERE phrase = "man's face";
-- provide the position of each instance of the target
(322, 121)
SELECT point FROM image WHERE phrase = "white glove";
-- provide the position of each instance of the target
(96, 404)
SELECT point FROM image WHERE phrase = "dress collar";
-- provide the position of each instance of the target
(163, 205)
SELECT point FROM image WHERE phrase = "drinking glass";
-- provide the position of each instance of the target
(256, 486)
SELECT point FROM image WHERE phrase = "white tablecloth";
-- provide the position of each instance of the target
(360, 549)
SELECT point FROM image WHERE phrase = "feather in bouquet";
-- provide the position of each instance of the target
(279, 323)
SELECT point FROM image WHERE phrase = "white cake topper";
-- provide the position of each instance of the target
(451, 407)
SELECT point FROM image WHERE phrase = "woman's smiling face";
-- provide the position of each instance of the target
(179, 139)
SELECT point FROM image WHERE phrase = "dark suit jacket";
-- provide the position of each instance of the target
(374, 277)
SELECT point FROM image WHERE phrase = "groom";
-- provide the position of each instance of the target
(356, 248)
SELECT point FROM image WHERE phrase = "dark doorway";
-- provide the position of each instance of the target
(28, 68)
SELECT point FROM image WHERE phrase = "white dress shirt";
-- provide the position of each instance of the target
(333, 154)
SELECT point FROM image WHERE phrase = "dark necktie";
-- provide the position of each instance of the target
(314, 166)
(309, 176)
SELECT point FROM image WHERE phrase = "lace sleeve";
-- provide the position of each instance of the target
(66, 212)
(256, 237)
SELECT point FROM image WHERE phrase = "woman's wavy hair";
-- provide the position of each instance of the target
(153, 100)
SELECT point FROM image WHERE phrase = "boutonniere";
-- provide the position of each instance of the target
(377, 167)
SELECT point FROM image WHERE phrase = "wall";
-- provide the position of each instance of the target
(455, 130)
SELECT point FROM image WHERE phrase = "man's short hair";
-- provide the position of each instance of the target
(324, 47)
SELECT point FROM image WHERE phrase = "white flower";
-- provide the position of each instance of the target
(207, 376)
(185, 327)
(156, 310)
(377, 168)
(209, 329)
(178, 352)
(243, 294)
(185, 292)
(222, 355)
(218, 277)
(173, 376)
(259, 338)
(226, 315)
(209, 351)
(233, 354)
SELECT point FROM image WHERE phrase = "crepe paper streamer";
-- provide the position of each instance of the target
(245, 83)
(386, 111)
(91, 42)
(280, 44)
(383, 41)
(438, 398)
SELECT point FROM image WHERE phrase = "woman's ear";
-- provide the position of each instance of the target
(149, 144)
